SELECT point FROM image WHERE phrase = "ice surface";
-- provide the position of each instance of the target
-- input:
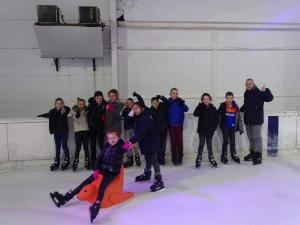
(229, 195)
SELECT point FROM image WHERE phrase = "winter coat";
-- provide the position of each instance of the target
(146, 133)
(237, 118)
(96, 114)
(113, 118)
(79, 119)
(253, 107)
(176, 110)
(208, 119)
(58, 120)
(111, 158)
(160, 115)
(128, 122)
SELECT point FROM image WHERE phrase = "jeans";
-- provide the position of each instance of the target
(82, 138)
(228, 137)
(208, 139)
(61, 140)
(176, 134)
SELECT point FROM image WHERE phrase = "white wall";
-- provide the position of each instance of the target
(211, 46)
(29, 84)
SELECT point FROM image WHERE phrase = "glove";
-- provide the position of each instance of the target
(109, 107)
(127, 145)
(131, 113)
(134, 94)
(77, 115)
(96, 174)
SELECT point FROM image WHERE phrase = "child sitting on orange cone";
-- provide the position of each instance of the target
(108, 165)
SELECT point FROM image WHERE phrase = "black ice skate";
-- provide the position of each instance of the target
(158, 184)
(146, 176)
(87, 163)
(198, 161)
(60, 199)
(212, 161)
(94, 210)
(75, 165)
(54, 166)
(250, 156)
(137, 160)
(224, 159)
(128, 162)
(66, 164)
(235, 158)
(257, 158)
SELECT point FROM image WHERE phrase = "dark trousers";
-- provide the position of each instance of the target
(163, 143)
(176, 135)
(208, 139)
(151, 160)
(228, 137)
(61, 140)
(108, 177)
(96, 134)
(82, 139)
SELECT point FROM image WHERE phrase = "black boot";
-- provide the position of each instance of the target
(235, 158)
(137, 160)
(158, 184)
(146, 176)
(54, 166)
(175, 158)
(180, 157)
(224, 159)
(249, 157)
(66, 164)
(87, 163)
(94, 210)
(75, 164)
(128, 162)
(60, 199)
(198, 161)
(212, 161)
(257, 158)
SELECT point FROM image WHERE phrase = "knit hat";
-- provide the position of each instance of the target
(98, 93)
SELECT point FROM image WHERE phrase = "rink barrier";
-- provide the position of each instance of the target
(23, 139)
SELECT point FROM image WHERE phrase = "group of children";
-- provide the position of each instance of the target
(100, 122)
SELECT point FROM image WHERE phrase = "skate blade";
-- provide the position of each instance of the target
(53, 199)
(155, 191)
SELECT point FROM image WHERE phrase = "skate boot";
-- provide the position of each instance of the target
(198, 161)
(235, 158)
(224, 159)
(257, 158)
(66, 164)
(75, 164)
(60, 199)
(146, 176)
(137, 160)
(54, 166)
(180, 157)
(128, 162)
(87, 163)
(158, 184)
(212, 161)
(250, 156)
(94, 210)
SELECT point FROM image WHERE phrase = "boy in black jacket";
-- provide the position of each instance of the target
(147, 136)
(159, 111)
(96, 122)
(231, 122)
(58, 126)
(207, 125)
(108, 164)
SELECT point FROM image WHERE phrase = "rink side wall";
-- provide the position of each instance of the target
(29, 139)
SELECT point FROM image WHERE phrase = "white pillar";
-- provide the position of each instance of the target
(114, 44)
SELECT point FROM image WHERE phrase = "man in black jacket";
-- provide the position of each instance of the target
(253, 109)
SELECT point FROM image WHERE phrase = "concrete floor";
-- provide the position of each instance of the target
(229, 195)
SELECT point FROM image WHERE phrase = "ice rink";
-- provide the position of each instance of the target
(229, 195)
